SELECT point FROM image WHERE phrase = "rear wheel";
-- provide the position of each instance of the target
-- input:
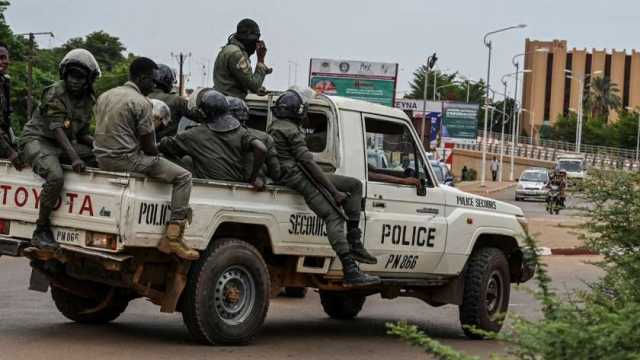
(342, 305)
(487, 288)
(106, 308)
(227, 294)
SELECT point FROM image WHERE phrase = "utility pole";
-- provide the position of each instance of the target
(181, 57)
(32, 44)
(431, 62)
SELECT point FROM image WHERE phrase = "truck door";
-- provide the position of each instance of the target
(405, 229)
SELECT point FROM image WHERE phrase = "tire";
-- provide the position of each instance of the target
(212, 313)
(73, 307)
(487, 288)
(341, 305)
(295, 292)
(517, 198)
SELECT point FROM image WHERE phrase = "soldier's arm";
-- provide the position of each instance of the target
(174, 146)
(240, 68)
(273, 164)
(182, 108)
(84, 136)
(55, 112)
(6, 147)
(143, 113)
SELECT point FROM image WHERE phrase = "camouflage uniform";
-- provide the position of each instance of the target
(291, 147)
(57, 110)
(6, 142)
(232, 71)
(123, 115)
(271, 167)
(179, 108)
(216, 155)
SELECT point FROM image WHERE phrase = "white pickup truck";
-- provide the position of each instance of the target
(432, 242)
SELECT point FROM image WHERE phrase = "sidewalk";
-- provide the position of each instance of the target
(489, 188)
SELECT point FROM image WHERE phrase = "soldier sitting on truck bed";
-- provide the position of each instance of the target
(271, 168)
(58, 132)
(218, 148)
(164, 79)
(125, 142)
(324, 193)
(7, 146)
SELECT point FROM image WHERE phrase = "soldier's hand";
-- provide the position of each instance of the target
(78, 166)
(262, 91)
(340, 197)
(16, 162)
(261, 51)
(258, 184)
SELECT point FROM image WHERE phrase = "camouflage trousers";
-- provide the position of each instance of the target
(46, 159)
(327, 209)
(160, 169)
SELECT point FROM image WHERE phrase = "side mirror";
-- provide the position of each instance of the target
(422, 187)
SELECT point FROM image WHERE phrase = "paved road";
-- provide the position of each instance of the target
(535, 208)
(31, 328)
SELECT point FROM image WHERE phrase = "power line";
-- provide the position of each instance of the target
(181, 57)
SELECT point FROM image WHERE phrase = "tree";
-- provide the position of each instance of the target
(603, 97)
(105, 48)
(450, 87)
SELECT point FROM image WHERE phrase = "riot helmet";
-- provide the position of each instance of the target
(238, 109)
(216, 108)
(164, 77)
(293, 104)
(82, 60)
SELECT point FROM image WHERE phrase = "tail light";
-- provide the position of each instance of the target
(102, 241)
(5, 227)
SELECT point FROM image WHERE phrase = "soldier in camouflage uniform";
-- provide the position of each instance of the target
(164, 79)
(324, 193)
(271, 167)
(232, 74)
(7, 147)
(58, 132)
(218, 148)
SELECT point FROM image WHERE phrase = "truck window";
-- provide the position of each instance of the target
(391, 152)
(315, 128)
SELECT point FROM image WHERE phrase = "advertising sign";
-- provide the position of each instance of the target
(414, 109)
(460, 122)
(362, 80)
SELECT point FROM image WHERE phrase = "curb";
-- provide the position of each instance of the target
(491, 191)
(545, 251)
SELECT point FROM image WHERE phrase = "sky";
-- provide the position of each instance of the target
(400, 31)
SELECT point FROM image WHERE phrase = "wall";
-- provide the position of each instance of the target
(473, 160)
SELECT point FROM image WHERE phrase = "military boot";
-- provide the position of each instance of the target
(352, 276)
(357, 250)
(172, 244)
(43, 238)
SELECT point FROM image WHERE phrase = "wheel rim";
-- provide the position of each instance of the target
(235, 295)
(494, 292)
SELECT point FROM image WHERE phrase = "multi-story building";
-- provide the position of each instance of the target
(549, 92)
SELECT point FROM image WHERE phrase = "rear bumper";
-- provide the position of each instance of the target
(12, 247)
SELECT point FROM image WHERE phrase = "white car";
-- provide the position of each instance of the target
(533, 184)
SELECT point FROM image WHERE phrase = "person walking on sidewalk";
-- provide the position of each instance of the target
(495, 166)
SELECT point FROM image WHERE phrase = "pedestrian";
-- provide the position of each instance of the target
(232, 73)
(58, 133)
(125, 142)
(218, 148)
(465, 172)
(164, 80)
(325, 194)
(495, 167)
(271, 168)
(8, 148)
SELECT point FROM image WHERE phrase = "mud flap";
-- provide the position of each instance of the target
(38, 281)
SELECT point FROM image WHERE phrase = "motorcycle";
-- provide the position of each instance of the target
(554, 203)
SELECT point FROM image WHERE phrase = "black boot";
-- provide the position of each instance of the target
(43, 238)
(352, 276)
(357, 250)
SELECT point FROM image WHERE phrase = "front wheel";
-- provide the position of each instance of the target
(227, 294)
(487, 288)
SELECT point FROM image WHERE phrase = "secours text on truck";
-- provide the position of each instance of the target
(432, 242)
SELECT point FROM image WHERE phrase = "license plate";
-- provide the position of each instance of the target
(68, 236)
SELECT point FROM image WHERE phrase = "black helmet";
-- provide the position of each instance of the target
(248, 29)
(216, 107)
(82, 60)
(293, 104)
(238, 108)
(164, 77)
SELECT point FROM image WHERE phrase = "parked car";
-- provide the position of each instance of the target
(442, 172)
(533, 184)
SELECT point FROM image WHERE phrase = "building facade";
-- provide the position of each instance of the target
(548, 92)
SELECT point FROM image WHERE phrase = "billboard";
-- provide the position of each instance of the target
(362, 80)
(414, 109)
(460, 122)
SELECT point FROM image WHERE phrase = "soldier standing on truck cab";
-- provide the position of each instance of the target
(125, 142)
(232, 74)
(164, 79)
(271, 169)
(218, 148)
(324, 193)
(7, 147)
(58, 132)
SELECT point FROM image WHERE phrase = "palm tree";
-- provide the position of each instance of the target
(603, 97)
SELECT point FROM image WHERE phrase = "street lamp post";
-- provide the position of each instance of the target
(489, 46)
(515, 119)
(580, 79)
(431, 61)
